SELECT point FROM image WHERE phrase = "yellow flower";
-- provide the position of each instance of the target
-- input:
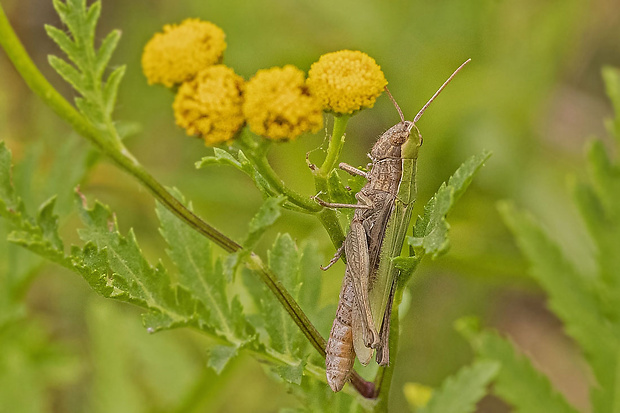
(210, 104)
(278, 104)
(346, 81)
(181, 51)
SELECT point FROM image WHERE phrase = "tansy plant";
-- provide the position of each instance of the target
(241, 120)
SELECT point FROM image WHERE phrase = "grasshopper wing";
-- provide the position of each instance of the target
(363, 353)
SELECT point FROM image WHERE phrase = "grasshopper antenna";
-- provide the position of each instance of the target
(400, 112)
(421, 112)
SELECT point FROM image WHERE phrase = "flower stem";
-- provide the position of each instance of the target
(262, 165)
(328, 216)
(335, 145)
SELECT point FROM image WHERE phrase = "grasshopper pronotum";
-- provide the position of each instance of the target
(376, 235)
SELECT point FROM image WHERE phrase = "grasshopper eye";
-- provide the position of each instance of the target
(400, 136)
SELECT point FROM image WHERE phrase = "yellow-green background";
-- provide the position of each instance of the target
(532, 95)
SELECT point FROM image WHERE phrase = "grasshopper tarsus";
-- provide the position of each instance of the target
(334, 259)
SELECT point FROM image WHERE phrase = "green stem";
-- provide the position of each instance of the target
(262, 165)
(335, 146)
(328, 216)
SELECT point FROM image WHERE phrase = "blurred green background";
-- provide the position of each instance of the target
(532, 95)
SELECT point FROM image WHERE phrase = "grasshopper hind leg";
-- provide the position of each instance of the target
(358, 268)
(383, 351)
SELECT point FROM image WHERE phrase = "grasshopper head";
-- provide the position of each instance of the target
(410, 148)
(397, 142)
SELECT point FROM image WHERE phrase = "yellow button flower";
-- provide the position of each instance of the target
(346, 81)
(181, 51)
(210, 104)
(278, 104)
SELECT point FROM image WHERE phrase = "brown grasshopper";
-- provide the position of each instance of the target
(376, 235)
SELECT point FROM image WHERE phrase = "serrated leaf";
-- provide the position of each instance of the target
(191, 254)
(571, 297)
(291, 374)
(48, 222)
(461, 392)
(430, 233)
(221, 157)
(311, 277)
(240, 161)
(219, 356)
(110, 90)
(92, 15)
(62, 40)
(286, 261)
(7, 193)
(517, 382)
(69, 73)
(138, 281)
(98, 97)
(91, 111)
(605, 176)
(106, 49)
(604, 231)
(266, 216)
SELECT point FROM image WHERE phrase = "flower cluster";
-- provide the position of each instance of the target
(346, 81)
(181, 51)
(210, 104)
(278, 103)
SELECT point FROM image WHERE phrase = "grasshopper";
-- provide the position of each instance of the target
(380, 221)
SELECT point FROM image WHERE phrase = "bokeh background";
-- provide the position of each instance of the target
(532, 95)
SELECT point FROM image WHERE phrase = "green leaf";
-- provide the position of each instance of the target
(108, 45)
(298, 270)
(240, 161)
(98, 97)
(191, 254)
(461, 392)
(517, 382)
(219, 356)
(110, 90)
(137, 281)
(8, 199)
(572, 298)
(62, 40)
(430, 233)
(221, 157)
(284, 261)
(266, 216)
(605, 176)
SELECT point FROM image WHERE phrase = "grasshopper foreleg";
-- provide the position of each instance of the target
(352, 170)
(365, 202)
